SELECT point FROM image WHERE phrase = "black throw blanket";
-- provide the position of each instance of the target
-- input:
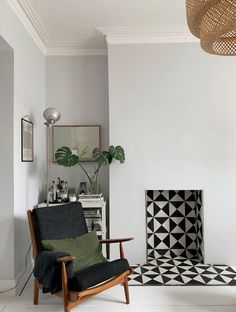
(48, 271)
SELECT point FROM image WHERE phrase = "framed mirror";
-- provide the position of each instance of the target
(76, 138)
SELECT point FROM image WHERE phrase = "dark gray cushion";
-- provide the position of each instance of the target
(58, 222)
(98, 273)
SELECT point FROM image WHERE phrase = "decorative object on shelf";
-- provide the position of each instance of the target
(72, 198)
(83, 188)
(66, 158)
(27, 140)
(77, 138)
(51, 115)
(91, 199)
(58, 192)
(214, 22)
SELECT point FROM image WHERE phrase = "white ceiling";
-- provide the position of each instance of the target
(71, 24)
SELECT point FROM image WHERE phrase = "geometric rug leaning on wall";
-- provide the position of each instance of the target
(175, 247)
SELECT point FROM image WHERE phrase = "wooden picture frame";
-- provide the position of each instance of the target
(76, 137)
(27, 140)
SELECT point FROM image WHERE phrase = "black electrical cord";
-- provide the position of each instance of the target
(26, 263)
(26, 283)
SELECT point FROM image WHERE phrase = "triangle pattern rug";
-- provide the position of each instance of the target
(180, 271)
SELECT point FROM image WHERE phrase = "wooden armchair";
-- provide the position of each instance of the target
(60, 222)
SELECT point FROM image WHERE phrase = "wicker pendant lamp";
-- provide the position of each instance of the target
(214, 22)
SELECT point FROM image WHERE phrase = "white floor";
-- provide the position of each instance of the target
(143, 299)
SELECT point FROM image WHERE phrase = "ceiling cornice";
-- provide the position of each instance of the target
(21, 10)
(73, 49)
(113, 35)
(35, 28)
(146, 35)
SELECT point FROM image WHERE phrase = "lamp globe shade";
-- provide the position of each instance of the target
(52, 115)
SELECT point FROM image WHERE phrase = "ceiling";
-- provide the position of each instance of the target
(71, 26)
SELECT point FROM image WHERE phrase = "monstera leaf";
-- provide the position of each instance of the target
(117, 153)
(102, 157)
(64, 157)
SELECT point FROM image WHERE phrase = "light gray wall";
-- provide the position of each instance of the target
(29, 178)
(6, 163)
(78, 87)
(173, 109)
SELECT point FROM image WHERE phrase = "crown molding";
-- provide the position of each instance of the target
(113, 35)
(22, 11)
(39, 34)
(146, 35)
(73, 51)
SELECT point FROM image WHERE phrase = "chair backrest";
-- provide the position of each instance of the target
(58, 222)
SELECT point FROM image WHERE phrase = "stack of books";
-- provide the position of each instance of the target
(92, 213)
(91, 200)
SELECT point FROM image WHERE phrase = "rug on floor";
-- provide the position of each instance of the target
(180, 271)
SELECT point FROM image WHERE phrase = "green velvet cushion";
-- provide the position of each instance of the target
(86, 248)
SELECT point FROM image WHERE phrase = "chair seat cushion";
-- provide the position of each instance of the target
(98, 273)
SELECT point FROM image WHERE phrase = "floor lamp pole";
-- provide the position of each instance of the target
(48, 165)
(51, 115)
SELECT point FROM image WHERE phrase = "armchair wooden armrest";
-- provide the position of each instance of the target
(115, 240)
(65, 259)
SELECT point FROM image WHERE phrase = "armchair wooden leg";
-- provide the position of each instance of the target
(65, 288)
(36, 291)
(126, 289)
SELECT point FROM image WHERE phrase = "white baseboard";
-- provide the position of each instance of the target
(9, 284)
(23, 279)
(5, 285)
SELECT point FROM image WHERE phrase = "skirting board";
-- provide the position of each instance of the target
(23, 279)
(9, 284)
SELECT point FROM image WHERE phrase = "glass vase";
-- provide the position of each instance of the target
(93, 186)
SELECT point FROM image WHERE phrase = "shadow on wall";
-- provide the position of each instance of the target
(35, 170)
(24, 265)
(7, 248)
(22, 245)
(6, 161)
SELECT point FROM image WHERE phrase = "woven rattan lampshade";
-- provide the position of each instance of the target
(214, 22)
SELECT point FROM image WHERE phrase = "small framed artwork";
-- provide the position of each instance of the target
(77, 138)
(27, 141)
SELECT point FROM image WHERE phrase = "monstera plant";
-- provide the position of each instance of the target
(66, 158)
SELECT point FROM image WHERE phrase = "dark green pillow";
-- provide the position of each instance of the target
(86, 248)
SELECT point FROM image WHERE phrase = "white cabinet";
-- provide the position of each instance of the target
(95, 215)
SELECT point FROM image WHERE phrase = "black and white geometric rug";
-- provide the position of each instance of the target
(181, 271)
(175, 247)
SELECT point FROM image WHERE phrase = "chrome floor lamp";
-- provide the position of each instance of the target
(51, 115)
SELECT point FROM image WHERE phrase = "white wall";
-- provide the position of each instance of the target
(6, 163)
(78, 87)
(173, 109)
(29, 87)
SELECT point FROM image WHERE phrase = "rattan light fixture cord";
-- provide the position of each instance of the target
(214, 22)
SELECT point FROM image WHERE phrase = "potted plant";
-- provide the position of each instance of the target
(66, 158)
